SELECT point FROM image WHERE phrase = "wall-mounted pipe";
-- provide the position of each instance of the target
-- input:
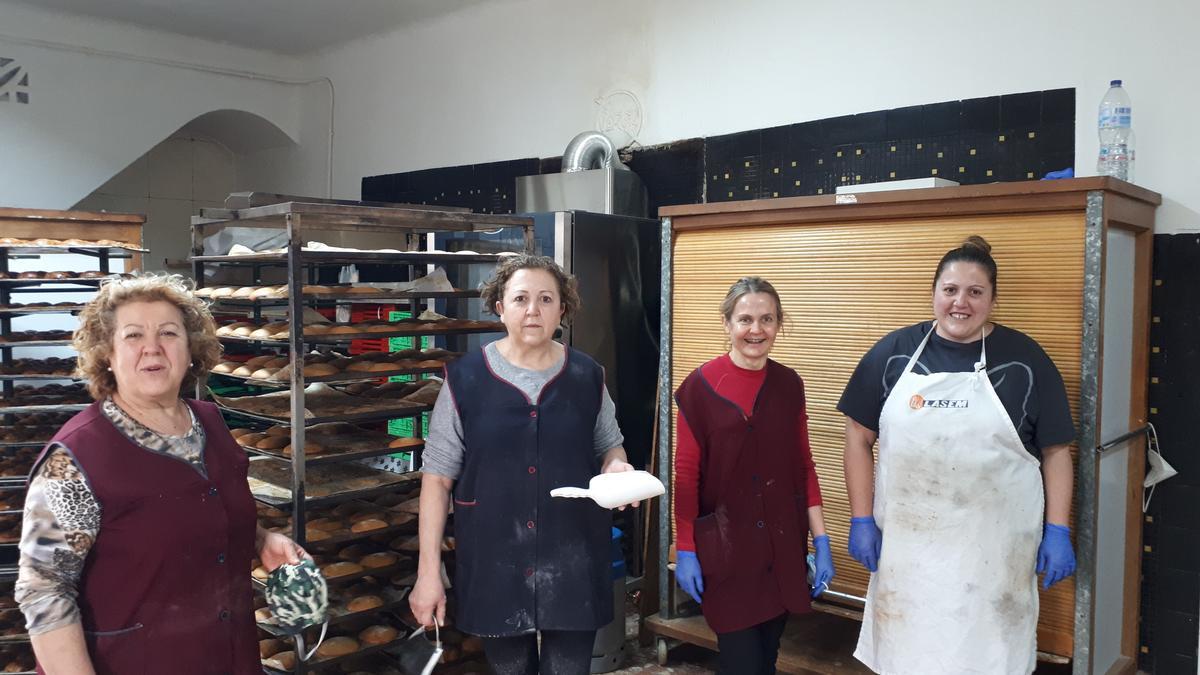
(590, 150)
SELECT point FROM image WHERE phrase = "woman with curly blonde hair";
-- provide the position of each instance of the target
(139, 525)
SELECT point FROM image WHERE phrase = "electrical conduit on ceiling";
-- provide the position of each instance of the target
(184, 65)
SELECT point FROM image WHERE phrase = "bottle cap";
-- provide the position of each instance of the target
(1114, 83)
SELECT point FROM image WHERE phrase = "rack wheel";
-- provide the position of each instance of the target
(661, 648)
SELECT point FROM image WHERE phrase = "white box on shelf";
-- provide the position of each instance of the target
(909, 184)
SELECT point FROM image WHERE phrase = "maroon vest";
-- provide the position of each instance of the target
(165, 587)
(751, 534)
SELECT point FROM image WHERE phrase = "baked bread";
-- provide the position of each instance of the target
(224, 367)
(262, 614)
(320, 370)
(334, 647)
(258, 361)
(379, 328)
(404, 442)
(376, 561)
(239, 432)
(316, 290)
(312, 535)
(341, 569)
(243, 371)
(243, 292)
(364, 602)
(244, 331)
(368, 525)
(310, 449)
(378, 635)
(353, 552)
(342, 329)
(251, 439)
(316, 329)
(269, 442)
(285, 661)
(270, 647)
(221, 292)
(263, 373)
(279, 431)
(326, 524)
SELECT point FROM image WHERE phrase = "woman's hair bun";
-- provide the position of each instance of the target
(976, 241)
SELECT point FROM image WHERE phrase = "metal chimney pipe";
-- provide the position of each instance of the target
(590, 150)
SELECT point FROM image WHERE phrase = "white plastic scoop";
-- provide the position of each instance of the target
(611, 490)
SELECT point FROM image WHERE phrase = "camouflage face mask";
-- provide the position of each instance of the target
(297, 596)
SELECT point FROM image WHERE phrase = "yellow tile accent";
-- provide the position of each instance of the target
(775, 170)
(1149, 519)
(726, 176)
(839, 153)
(797, 183)
(892, 174)
(731, 193)
(1029, 174)
(941, 154)
(989, 172)
(893, 149)
(843, 179)
(1154, 350)
(1158, 282)
(747, 164)
(774, 194)
(1145, 649)
(1033, 134)
(1154, 411)
(1157, 319)
(962, 169)
(745, 188)
(857, 151)
(1001, 138)
(933, 172)
(920, 146)
(972, 151)
(793, 162)
(1147, 549)
(1154, 380)
(820, 191)
(820, 160)
(857, 177)
(714, 178)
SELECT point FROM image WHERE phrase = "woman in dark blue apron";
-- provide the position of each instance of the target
(520, 417)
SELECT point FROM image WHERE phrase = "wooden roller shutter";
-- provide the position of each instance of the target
(846, 284)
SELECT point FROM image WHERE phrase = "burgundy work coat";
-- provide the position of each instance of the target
(165, 587)
(751, 535)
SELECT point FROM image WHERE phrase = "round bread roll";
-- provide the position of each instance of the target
(263, 373)
(239, 432)
(378, 635)
(258, 361)
(224, 367)
(376, 561)
(277, 362)
(222, 292)
(243, 331)
(326, 524)
(368, 525)
(260, 573)
(320, 370)
(337, 646)
(310, 449)
(243, 292)
(312, 535)
(270, 647)
(263, 614)
(275, 326)
(30, 275)
(353, 552)
(279, 431)
(364, 602)
(243, 371)
(265, 292)
(338, 570)
(269, 442)
(61, 275)
(285, 661)
(262, 334)
(251, 438)
(406, 442)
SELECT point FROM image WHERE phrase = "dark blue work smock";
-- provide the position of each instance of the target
(527, 561)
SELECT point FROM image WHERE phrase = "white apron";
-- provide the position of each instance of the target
(959, 501)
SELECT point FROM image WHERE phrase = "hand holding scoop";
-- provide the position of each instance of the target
(611, 490)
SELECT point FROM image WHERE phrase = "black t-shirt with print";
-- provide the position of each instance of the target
(1026, 380)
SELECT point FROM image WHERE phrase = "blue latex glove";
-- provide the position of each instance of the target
(1055, 556)
(823, 560)
(687, 573)
(865, 541)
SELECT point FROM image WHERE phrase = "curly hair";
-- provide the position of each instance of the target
(93, 339)
(492, 291)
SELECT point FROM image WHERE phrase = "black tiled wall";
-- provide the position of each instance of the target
(1171, 532)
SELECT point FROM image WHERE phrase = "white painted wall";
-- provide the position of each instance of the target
(91, 115)
(517, 78)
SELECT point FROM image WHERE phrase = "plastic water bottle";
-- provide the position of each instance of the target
(1116, 134)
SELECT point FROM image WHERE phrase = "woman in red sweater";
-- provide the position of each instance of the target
(746, 491)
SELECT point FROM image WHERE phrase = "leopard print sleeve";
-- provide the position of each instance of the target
(61, 520)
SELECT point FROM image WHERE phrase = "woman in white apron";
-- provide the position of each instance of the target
(973, 490)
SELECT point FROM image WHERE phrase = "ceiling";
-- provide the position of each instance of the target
(286, 26)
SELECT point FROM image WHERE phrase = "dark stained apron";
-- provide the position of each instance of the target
(526, 561)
